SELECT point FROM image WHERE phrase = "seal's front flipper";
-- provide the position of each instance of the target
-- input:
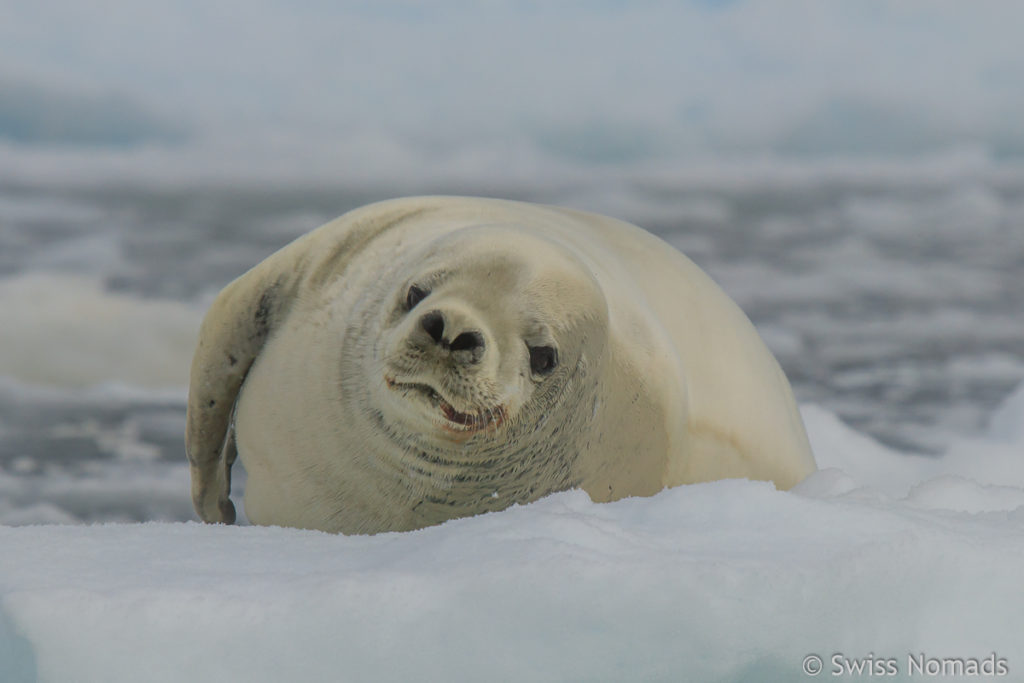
(211, 484)
(231, 337)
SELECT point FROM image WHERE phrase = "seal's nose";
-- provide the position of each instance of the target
(433, 324)
(467, 341)
(449, 337)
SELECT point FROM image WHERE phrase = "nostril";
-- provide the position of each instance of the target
(467, 341)
(433, 324)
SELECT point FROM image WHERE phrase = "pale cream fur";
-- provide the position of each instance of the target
(661, 381)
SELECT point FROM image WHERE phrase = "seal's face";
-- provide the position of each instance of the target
(487, 334)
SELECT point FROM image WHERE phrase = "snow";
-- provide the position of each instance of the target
(880, 554)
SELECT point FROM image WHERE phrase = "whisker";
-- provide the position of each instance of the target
(491, 418)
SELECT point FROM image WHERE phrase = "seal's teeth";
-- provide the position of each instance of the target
(475, 420)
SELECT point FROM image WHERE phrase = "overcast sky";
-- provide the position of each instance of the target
(591, 82)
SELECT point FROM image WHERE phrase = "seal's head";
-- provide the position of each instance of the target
(486, 332)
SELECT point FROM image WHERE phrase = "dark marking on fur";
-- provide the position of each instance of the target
(261, 319)
(441, 501)
(480, 462)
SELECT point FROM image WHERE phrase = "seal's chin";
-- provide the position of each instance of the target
(454, 419)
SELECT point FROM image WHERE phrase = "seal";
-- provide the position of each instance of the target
(427, 358)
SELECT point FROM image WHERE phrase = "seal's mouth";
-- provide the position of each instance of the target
(473, 421)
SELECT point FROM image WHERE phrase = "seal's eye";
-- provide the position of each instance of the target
(543, 359)
(415, 295)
